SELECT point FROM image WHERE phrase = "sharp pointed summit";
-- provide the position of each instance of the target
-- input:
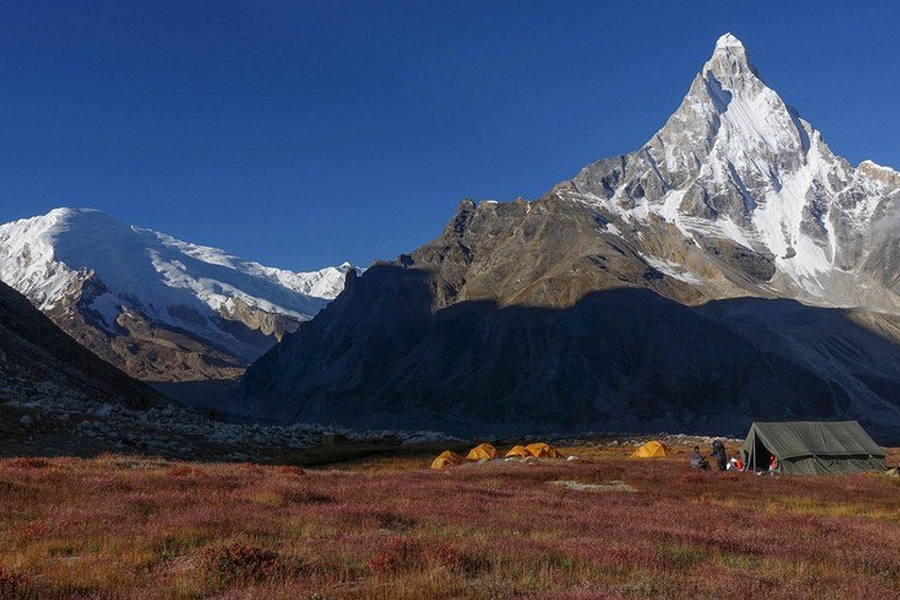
(735, 162)
(727, 41)
(730, 65)
(730, 49)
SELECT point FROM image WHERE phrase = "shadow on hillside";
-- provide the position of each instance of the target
(618, 360)
(205, 395)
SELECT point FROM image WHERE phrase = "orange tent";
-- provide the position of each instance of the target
(482, 452)
(447, 459)
(518, 452)
(651, 449)
(542, 450)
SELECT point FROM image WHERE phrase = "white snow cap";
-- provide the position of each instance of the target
(729, 41)
(729, 49)
(43, 257)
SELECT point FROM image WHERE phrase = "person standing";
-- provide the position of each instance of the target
(718, 451)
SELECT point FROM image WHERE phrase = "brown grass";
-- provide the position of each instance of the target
(130, 527)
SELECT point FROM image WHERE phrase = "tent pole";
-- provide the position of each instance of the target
(754, 451)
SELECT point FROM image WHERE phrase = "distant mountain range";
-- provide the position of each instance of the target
(161, 309)
(733, 268)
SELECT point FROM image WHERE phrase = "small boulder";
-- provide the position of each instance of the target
(104, 410)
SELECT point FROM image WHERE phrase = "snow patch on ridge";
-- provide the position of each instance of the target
(672, 269)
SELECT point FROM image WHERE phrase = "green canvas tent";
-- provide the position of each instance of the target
(811, 447)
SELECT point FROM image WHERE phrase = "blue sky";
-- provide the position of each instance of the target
(301, 134)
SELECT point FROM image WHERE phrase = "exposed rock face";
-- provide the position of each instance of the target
(640, 294)
(161, 309)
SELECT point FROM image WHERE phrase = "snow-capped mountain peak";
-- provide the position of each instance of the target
(149, 265)
(736, 163)
(113, 271)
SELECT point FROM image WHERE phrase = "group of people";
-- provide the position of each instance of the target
(736, 463)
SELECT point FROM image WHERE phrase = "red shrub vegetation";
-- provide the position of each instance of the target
(692, 478)
(389, 520)
(592, 595)
(630, 555)
(26, 463)
(399, 553)
(447, 556)
(402, 554)
(291, 470)
(240, 563)
(307, 496)
(183, 471)
(35, 529)
(141, 529)
(12, 586)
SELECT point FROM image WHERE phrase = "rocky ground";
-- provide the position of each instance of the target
(44, 419)
(41, 419)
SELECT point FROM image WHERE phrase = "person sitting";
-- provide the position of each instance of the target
(773, 464)
(736, 464)
(698, 461)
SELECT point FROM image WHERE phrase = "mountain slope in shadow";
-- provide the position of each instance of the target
(34, 351)
(616, 360)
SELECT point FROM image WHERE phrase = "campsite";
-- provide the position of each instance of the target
(386, 525)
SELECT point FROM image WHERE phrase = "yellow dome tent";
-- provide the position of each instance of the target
(542, 450)
(447, 459)
(482, 452)
(652, 449)
(518, 452)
